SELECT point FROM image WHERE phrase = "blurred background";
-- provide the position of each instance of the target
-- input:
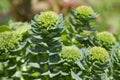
(24, 10)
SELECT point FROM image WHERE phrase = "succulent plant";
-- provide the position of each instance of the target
(13, 49)
(36, 51)
(94, 65)
(45, 46)
(79, 31)
(69, 55)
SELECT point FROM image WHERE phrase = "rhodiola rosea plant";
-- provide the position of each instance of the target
(45, 46)
(13, 42)
(57, 48)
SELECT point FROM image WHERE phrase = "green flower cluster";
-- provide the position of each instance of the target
(106, 37)
(48, 19)
(99, 53)
(9, 40)
(85, 11)
(70, 53)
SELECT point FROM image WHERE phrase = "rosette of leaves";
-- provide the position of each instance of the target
(9, 41)
(79, 29)
(94, 65)
(45, 46)
(82, 17)
(69, 55)
(13, 34)
(105, 39)
(12, 50)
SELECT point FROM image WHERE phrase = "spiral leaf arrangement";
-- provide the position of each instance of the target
(12, 54)
(45, 46)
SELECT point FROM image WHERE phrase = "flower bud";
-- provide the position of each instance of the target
(70, 53)
(48, 19)
(85, 11)
(99, 53)
(9, 40)
(106, 37)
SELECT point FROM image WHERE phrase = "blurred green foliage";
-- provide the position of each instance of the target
(4, 6)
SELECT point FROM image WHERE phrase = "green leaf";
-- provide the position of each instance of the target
(17, 74)
(4, 28)
(75, 76)
(35, 65)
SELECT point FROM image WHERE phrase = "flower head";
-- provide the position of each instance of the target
(9, 40)
(70, 53)
(99, 53)
(48, 19)
(106, 37)
(85, 11)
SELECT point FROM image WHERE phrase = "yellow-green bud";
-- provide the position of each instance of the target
(106, 37)
(85, 11)
(70, 53)
(9, 40)
(99, 53)
(48, 19)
